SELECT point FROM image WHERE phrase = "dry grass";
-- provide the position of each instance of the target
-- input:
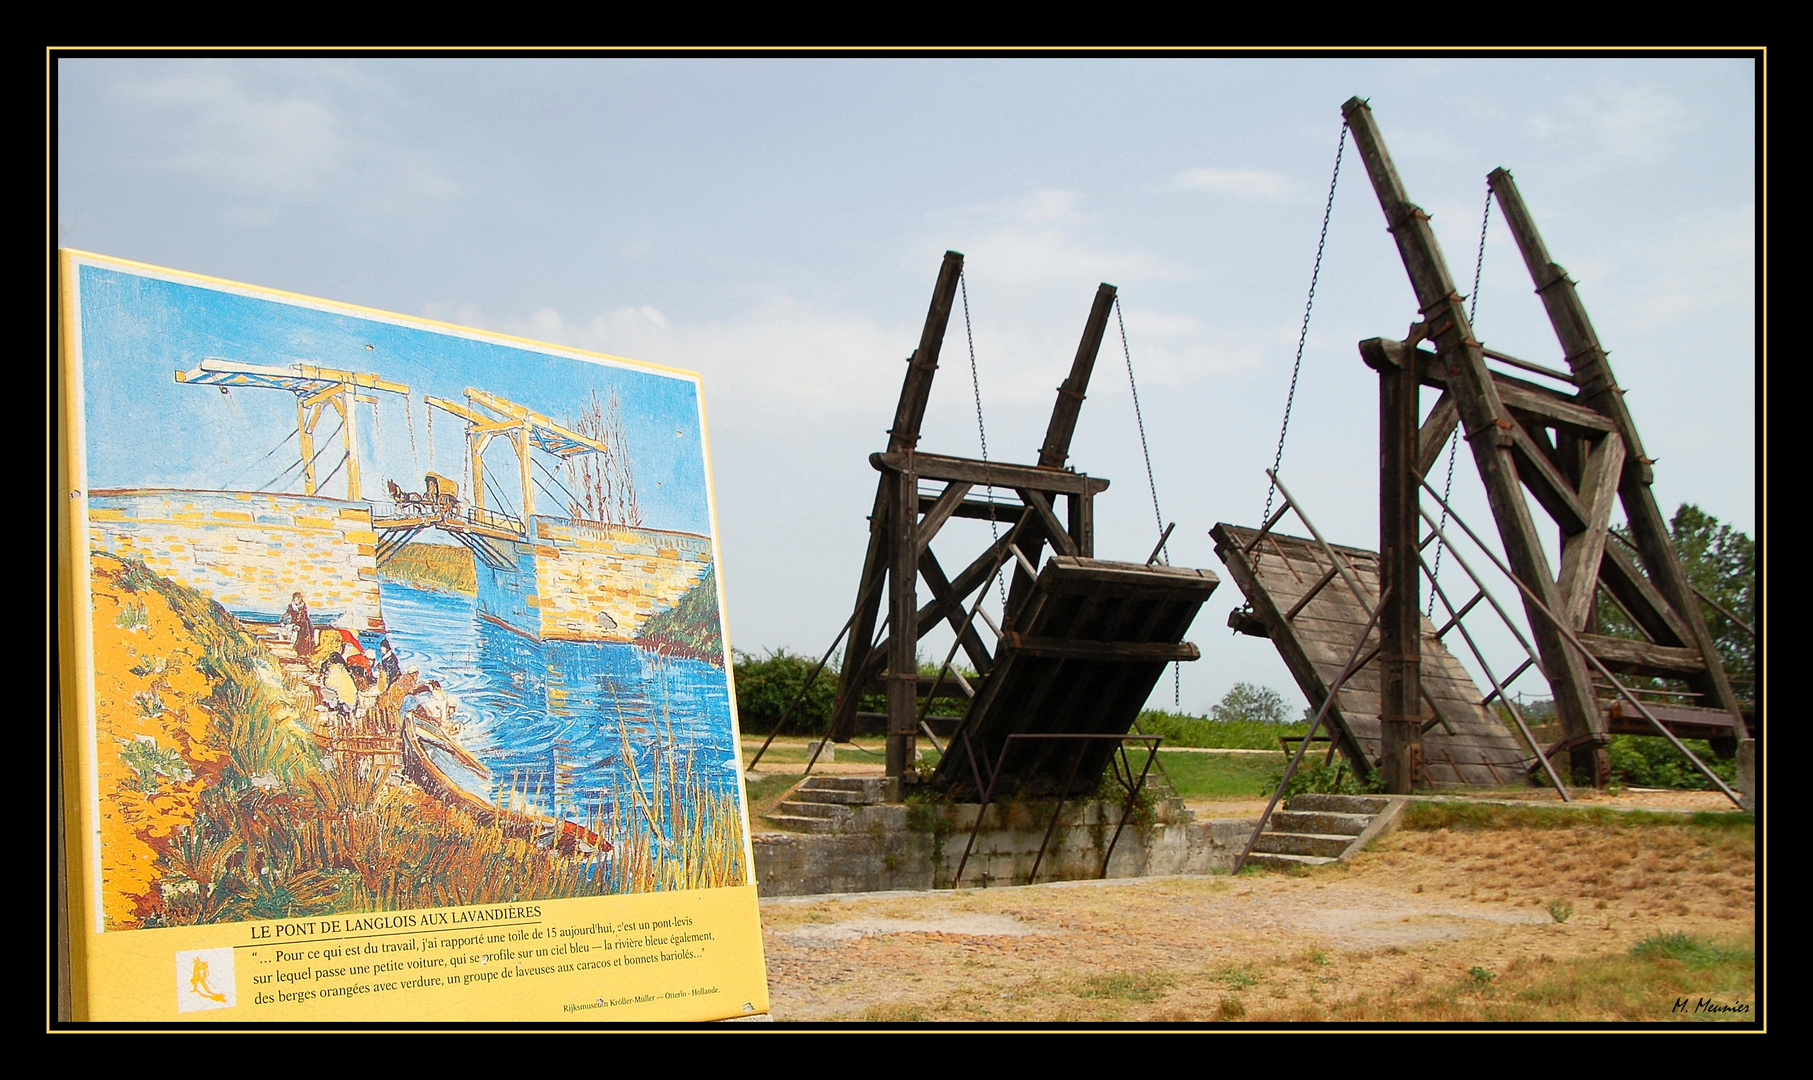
(1454, 923)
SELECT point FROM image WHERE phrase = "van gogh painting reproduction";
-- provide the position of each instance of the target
(386, 614)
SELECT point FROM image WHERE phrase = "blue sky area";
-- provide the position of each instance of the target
(776, 225)
(145, 429)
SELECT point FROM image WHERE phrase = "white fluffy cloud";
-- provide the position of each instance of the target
(263, 143)
(1241, 183)
(1634, 123)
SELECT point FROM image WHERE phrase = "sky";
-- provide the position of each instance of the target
(143, 428)
(777, 224)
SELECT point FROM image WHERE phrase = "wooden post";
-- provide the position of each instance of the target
(903, 614)
(1400, 620)
(305, 434)
(1055, 450)
(349, 411)
(886, 520)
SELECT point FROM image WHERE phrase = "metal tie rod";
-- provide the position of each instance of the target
(1572, 639)
(1290, 769)
(1346, 573)
(1497, 687)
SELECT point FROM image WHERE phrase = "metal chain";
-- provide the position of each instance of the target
(1151, 485)
(975, 383)
(1303, 334)
(1479, 264)
(1140, 420)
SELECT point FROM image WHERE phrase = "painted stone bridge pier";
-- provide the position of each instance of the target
(578, 580)
(566, 580)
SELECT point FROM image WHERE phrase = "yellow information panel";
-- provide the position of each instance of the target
(395, 685)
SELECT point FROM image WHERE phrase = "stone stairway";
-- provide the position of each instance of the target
(1314, 830)
(836, 804)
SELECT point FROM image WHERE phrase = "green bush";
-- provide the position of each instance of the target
(766, 685)
(1651, 761)
(1312, 777)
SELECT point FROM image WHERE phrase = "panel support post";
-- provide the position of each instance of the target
(1400, 623)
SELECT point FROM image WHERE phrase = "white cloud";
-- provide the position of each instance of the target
(263, 144)
(1702, 266)
(224, 136)
(1051, 204)
(778, 351)
(1614, 120)
(1018, 257)
(1241, 183)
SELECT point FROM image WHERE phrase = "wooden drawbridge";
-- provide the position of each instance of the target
(1314, 614)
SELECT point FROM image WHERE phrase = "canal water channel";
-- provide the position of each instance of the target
(565, 728)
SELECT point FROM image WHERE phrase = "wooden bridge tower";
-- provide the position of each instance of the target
(1576, 451)
(316, 389)
(904, 522)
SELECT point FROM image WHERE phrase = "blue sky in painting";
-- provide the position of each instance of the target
(145, 429)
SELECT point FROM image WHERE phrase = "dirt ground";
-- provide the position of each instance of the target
(1420, 927)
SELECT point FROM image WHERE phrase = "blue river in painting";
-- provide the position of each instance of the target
(551, 720)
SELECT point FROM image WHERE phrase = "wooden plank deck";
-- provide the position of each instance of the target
(1092, 640)
(1478, 751)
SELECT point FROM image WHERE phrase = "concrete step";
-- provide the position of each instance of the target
(801, 808)
(1340, 804)
(1291, 843)
(843, 796)
(854, 790)
(1278, 861)
(796, 823)
(1320, 821)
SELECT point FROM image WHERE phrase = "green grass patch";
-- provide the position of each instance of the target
(1692, 951)
(1142, 986)
(1432, 816)
(1180, 729)
(1219, 776)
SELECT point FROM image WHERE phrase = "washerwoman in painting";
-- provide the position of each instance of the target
(338, 690)
(296, 616)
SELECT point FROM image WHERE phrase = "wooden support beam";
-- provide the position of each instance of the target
(1581, 553)
(1552, 490)
(941, 511)
(991, 473)
(1131, 652)
(1433, 436)
(1554, 407)
(1060, 537)
(923, 364)
(1621, 576)
(902, 437)
(1056, 448)
(1628, 657)
(903, 609)
(1592, 372)
(1400, 573)
(950, 602)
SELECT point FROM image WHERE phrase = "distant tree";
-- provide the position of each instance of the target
(1721, 563)
(1251, 704)
(606, 484)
